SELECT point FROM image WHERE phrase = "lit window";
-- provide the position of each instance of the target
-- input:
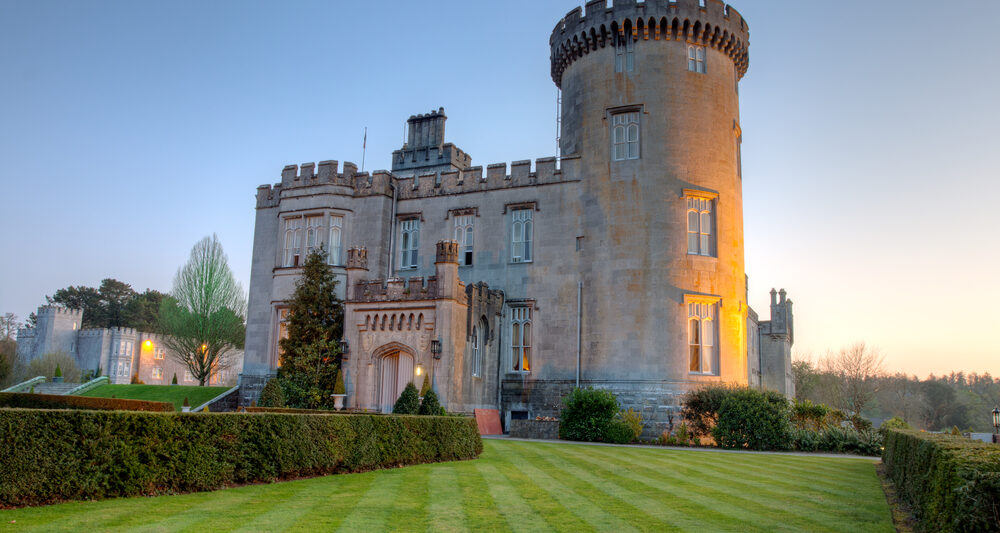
(336, 228)
(699, 226)
(282, 331)
(293, 242)
(409, 240)
(520, 240)
(159, 353)
(696, 59)
(464, 236)
(625, 54)
(157, 373)
(625, 136)
(520, 339)
(701, 337)
(187, 376)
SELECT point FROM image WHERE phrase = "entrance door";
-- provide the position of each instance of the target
(396, 371)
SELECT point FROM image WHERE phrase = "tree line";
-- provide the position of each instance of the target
(855, 379)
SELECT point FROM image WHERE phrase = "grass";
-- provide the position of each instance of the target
(520, 486)
(158, 393)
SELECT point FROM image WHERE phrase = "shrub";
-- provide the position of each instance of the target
(174, 381)
(808, 415)
(426, 386)
(53, 456)
(272, 395)
(586, 414)
(430, 405)
(618, 432)
(860, 423)
(700, 408)
(836, 439)
(683, 436)
(753, 419)
(136, 380)
(53, 401)
(634, 421)
(186, 404)
(893, 423)
(338, 385)
(952, 483)
(408, 402)
(58, 372)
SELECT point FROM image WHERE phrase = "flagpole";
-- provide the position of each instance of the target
(364, 149)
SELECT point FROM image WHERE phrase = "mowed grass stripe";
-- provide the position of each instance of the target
(738, 489)
(334, 498)
(602, 496)
(675, 515)
(373, 509)
(726, 505)
(480, 510)
(567, 497)
(516, 511)
(541, 501)
(442, 511)
(409, 508)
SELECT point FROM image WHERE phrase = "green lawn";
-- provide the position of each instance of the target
(520, 486)
(158, 393)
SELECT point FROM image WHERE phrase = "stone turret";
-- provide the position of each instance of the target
(776, 339)
(425, 150)
(446, 268)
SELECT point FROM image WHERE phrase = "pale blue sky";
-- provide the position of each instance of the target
(129, 130)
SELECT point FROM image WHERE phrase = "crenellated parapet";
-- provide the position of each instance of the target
(395, 289)
(357, 258)
(55, 310)
(354, 183)
(495, 177)
(709, 23)
(93, 332)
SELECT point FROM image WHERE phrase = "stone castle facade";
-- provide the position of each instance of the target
(618, 265)
(119, 353)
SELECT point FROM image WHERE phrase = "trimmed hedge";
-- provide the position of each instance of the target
(51, 456)
(55, 401)
(952, 483)
(294, 411)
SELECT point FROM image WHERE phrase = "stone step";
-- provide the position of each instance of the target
(55, 388)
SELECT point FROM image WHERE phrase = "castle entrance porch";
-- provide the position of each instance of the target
(395, 371)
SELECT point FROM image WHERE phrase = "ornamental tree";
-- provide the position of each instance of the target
(203, 316)
(310, 355)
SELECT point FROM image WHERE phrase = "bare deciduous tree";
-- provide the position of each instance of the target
(203, 317)
(8, 326)
(859, 367)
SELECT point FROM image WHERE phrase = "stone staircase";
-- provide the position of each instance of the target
(55, 388)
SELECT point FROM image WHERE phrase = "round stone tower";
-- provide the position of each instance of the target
(650, 105)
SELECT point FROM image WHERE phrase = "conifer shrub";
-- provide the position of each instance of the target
(952, 483)
(338, 386)
(272, 394)
(186, 404)
(59, 455)
(430, 405)
(588, 415)
(58, 372)
(408, 402)
(753, 420)
(426, 386)
(174, 381)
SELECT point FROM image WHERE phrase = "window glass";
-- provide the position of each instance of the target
(625, 135)
(464, 235)
(520, 339)
(699, 221)
(702, 337)
(521, 236)
(409, 242)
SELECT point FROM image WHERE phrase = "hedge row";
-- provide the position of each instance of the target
(952, 483)
(50, 456)
(293, 411)
(54, 401)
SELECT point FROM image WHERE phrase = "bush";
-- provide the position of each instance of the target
(53, 401)
(837, 440)
(58, 372)
(618, 432)
(272, 395)
(700, 408)
(430, 405)
(808, 415)
(587, 415)
(47, 364)
(136, 380)
(634, 421)
(338, 385)
(860, 423)
(752, 419)
(174, 381)
(893, 423)
(952, 483)
(683, 436)
(408, 402)
(54, 456)
(426, 386)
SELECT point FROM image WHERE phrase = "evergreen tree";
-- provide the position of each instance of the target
(426, 386)
(408, 402)
(430, 405)
(311, 352)
(272, 395)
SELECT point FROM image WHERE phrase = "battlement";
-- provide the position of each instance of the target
(26, 333)
(496, 177)
(93, 332)
(710, 23)
(446, 252)
(396, 289)
(357, 258)
(122, 332)
(54, 310)
(325, 173)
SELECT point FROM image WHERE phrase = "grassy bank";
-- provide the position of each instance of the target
(158, 393)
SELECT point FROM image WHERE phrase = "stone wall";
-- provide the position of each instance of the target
(534, 429)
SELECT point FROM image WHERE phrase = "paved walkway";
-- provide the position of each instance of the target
(689, 449)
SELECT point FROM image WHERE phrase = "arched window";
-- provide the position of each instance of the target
(701, 337)
(383, 323)
(696, 59)
(293, 241)
(699, 226)
(420, 320)
(336, 228)
(464, 235)
(476, 350)
(409, 240)
(409, 323)
(521, 229)
(520, 339)
(315, 232)
(625, 135)
(625, 53)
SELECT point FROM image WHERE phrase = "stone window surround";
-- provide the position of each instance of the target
(400, 219)
(530, 305)
(609, 112)
(303, 213)
(710, 299)
(712, 196)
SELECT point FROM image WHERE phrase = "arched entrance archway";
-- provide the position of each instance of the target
(395, 370)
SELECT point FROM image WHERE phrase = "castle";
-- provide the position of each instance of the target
(618, 265)
(119, 353)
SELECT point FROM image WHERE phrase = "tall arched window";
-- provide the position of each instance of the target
(699, 215)
(520, 339)
(521, 229)
(409, 240)
(701, 337)
(464, 236)
(336, 228)
(625, 135)
(315, 232)
(293, 241)
(696, 59)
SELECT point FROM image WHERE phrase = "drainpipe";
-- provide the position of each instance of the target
(579, 328)
(391, 269)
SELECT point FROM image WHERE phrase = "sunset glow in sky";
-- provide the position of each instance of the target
(130, 130)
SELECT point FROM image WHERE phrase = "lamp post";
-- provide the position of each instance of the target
(996, 425)
(345, 349)
(436, 348)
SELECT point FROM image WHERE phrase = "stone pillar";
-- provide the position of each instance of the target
(357, 269)
(446, 268)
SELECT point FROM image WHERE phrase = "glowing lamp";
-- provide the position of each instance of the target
(204, 347)
(420, 370)
(148, 344)
(996, 420)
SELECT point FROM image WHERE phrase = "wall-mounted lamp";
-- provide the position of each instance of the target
(420, 370)
(345, 349)
(436, 348)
